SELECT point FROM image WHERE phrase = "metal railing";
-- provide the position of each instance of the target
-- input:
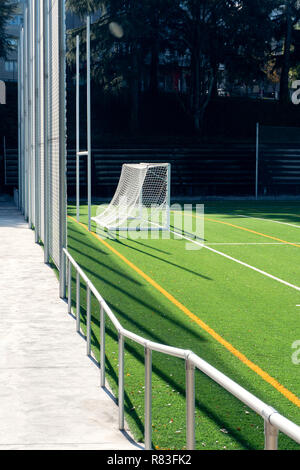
(274, 422)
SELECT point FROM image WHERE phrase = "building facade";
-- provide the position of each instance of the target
(9, 66)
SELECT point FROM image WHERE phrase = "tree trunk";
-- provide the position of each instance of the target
(284, 79)
(153, 83)
(134, 94)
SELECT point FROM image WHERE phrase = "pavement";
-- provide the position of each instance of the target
(50, 394)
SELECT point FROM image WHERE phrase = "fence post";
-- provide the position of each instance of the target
(271, 436)
(46, 133)
(69, 286)
(37, 123)
(62, 147)
(77, 130)
(121, 382)
(78, 302)
(102, 346)
(190, 405)
(89, 158)
(148, 398)
(88, 320)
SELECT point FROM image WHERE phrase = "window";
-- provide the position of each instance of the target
(10, 66)
(16, 20)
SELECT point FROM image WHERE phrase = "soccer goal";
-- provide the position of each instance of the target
(141, 200)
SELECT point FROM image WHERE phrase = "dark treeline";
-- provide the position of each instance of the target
(183, 54)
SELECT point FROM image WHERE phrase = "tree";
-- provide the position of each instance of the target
(6, 13)
(286, 18)
(126, 34)
(236, 34)
(131, 37)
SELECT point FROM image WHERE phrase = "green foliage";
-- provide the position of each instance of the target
(6, 13)
(133, 40)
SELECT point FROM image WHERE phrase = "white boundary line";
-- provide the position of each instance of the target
(237, 261)
(266, 220)
(242, 244)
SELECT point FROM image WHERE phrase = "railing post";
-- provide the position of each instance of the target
(88, 320)
(121, 382)
(102, 346)
(148, 398)
(190, 405)
(77, 130)
(77, 302)
(271, 436)
(89, 139)
(69, 286)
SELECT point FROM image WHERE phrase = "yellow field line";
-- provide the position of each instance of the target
(249, 230)
(264, 375)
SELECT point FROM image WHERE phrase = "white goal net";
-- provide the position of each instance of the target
(141, 200)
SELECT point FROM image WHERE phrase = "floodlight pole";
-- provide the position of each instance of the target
(88, 152)
(77, 130)
(89, 166)
(256, 161)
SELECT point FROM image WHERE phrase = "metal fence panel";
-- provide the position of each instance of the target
(43, 126)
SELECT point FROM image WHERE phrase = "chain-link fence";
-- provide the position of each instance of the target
(42, 126)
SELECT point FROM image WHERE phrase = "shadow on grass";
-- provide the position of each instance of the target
(190, 271)
(208, 394)
(283, 211)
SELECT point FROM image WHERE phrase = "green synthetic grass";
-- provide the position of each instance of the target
(256, 314)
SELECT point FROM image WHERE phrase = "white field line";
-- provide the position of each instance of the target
(242, 244)
(267, 220)
(264, 273)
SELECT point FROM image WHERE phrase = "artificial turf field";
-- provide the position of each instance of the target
(234, 303)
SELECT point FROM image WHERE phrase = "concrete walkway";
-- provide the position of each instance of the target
(50, 396)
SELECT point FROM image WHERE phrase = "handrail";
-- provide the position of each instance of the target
(274, 421)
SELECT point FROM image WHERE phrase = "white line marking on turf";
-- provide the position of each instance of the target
(242, 244)
(267, 220)
(237, 261)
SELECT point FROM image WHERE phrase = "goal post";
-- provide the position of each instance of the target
(141, 200)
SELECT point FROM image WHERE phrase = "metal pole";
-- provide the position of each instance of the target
(62, 149)
(31, 76)
(168, 195)
(22, 135)
(148, 398)
(121, 382)
(36, 65)
(77, 130)
(89, 163)
(271, 436)
(28, 46)
(19, 122)
(88, 321)
(102, 346)
(25, 93)
(46, 134)
(78, 302)
(69, 286)
(256, 161)
(190, 405)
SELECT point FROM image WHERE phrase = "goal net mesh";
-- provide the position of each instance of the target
(141, 200)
